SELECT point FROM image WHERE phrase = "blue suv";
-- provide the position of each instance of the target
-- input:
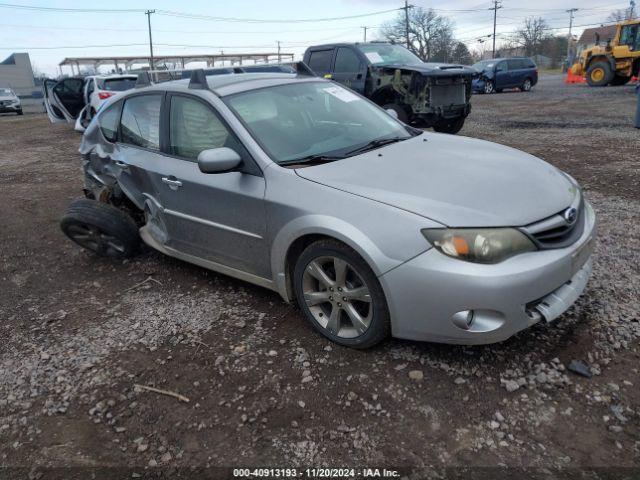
(500, 73)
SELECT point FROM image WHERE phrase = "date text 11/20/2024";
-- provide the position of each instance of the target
(315, 473)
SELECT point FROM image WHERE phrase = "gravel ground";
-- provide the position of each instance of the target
(80, 333)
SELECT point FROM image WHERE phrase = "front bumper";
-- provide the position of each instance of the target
(477, 85)
(10, 108)
(424, 293)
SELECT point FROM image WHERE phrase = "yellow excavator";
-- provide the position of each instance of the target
(614, 63)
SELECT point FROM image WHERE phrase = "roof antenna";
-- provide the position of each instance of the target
(198, 80)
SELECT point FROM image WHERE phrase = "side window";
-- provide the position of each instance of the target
(501, 67)
(320, 61)
(627, 35)
(140, 124)
(513, 64)
(346, 61)
(108, 121)
(194, 127)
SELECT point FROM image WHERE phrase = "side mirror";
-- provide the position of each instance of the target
(392, 113)
(218, 160)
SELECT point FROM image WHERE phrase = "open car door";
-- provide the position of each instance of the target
(65, 99)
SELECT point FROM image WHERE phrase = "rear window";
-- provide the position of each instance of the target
(140, 124)
(118, 84)
(320, 61)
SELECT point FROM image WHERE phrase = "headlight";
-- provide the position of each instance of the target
(479, 245)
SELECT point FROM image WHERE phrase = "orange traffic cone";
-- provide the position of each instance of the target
(573, 78)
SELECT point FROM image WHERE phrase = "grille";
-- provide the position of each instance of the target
(556, 231)
(447, 95)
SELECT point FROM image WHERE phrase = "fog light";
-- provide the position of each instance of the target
(463, 319)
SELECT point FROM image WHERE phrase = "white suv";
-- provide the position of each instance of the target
(98, 88)
(9, 102)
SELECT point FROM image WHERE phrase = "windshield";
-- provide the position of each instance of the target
(381, 54)
(118, 84)
(485, 64)
(6, 91)
(298, 120)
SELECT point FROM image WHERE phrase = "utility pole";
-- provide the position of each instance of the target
(632, 8)
(496, 6)
(365, 34)
(151, 62)
(571, 11)
(278, 51)
(406, 21)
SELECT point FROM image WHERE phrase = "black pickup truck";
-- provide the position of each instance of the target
(422, 94)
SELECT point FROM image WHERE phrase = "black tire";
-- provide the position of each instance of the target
(526, 85)
(101, 228)
(450, 126)
(19, 112)
(380, 325)
(599, 74)
(619, 80)
(403, 115)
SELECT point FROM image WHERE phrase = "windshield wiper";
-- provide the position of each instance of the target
(373, 144)
(311, 159)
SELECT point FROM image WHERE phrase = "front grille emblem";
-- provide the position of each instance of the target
(570, 215)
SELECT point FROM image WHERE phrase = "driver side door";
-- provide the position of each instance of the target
(219, 217)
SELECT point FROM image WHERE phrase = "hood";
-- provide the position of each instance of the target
(456, 181)
(434, 69)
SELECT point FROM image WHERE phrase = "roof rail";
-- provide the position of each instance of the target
(144, 80)
(198, 80)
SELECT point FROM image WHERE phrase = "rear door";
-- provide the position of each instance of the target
(219, 217)
(349, 69)
(321, 62)
(65, 99)
(517, 71)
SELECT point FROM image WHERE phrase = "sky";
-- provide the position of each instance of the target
(49, 36)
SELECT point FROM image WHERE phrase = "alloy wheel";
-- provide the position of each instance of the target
(488, 87)
(526, 86)
(94, 239)
(337, 296)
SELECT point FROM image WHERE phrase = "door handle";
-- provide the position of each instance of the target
(120, 164)
(174, 184)
(359, 76)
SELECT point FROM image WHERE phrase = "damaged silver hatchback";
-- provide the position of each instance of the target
(299, 185)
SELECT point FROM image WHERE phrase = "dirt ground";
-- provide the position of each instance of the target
(79, 333)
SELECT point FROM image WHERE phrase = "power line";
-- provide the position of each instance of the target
(190, 15)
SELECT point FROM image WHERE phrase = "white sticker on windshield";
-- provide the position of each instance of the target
(342, 94)
(374, 57)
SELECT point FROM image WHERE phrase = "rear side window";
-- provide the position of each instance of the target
(108, 121)
(140, 124)
(320, 61)
(194, 127)
(514, 64)
(346, 61)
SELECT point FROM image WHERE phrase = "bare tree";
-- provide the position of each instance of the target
(430, 34)
(531, 35)
(620, 15)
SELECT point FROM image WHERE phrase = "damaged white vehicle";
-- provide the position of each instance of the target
(78, 99)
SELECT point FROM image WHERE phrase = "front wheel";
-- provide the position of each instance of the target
(340, 295)
(401, 111)
(450, 126)
(19, 112)
(599, 74)
(489, 87)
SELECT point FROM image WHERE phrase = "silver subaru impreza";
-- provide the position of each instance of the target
(301, 186)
